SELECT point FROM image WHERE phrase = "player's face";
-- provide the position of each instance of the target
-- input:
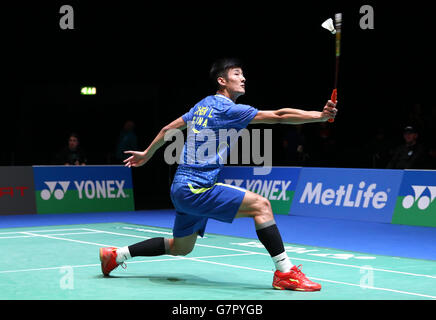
(235, 81)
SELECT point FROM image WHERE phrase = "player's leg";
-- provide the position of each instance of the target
(183, 245)
(286, 276)
(256, 207)
(113, 257)
(158, 246)
(259, 208)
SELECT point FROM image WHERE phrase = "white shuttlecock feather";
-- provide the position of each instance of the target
(328, 24)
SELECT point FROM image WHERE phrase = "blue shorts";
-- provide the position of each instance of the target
(195, 205)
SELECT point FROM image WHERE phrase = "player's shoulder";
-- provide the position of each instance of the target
(223, 104)
(216, 102)
(238, 108)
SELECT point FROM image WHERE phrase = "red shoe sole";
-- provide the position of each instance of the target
(295, 289)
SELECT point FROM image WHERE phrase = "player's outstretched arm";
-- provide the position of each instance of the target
(139, 158)
(295, 116)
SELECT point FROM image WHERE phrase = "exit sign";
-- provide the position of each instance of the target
(88, 91)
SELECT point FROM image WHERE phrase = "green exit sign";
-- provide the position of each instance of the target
(88, 91)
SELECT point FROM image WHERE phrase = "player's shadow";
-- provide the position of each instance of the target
(189, 280)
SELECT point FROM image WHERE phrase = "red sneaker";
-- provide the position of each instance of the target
(294, 280)
(108, 260)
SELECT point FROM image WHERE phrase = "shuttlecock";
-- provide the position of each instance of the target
(328, 24)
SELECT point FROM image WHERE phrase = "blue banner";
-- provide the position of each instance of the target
(60, 189)
(354, 194)
(278, 185)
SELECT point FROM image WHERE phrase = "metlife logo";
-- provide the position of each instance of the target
(83, 189)
(346, 198)
(356, 194)
(416, 204)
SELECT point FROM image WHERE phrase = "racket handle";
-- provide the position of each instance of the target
(333, 98)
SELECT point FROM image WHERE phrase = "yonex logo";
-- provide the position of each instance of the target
(270, 189)
(58, 193)
(422, 202)
(86, 188)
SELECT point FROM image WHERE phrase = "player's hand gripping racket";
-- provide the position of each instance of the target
(333, 98)
(338, 23)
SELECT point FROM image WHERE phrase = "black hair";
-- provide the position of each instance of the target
(220, 67)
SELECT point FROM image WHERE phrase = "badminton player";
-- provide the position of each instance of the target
(195, 193)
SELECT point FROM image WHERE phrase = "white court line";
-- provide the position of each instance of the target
(54, 234)
(292, 258)
(65, 239)
(46, 230)
(230, 265)
(170, 258)
(198, 259)
(231, 249)
(117, 233)
(318, 279)
(49, 268)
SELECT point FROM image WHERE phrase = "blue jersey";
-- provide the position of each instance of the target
(213, 125)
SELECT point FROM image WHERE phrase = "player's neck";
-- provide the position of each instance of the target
(231, 95)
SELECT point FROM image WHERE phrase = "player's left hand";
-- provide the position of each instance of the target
(329, 111)
(137, 158)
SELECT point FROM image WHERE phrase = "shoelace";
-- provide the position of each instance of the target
(299, 272)
(123, 264)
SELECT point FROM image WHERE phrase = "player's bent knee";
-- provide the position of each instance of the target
(264, 211)
(180, 251)
(255, 206)
(182, 246)
(264, 207)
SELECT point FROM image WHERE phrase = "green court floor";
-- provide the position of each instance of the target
(62, 262)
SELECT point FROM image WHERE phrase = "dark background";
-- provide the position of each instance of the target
(150, 63)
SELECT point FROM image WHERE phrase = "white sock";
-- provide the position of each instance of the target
(123, 254)
(282, 262)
